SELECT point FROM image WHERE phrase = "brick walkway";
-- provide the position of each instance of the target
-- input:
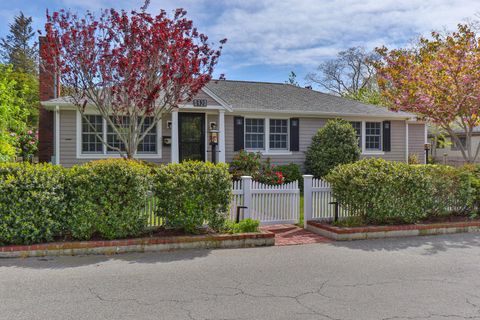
(287, 235)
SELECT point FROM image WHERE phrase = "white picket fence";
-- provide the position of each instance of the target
(269, 204)
(318, 201)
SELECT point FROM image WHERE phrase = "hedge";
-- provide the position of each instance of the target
(383, 192)
(106, 199)
(32, 202)
(193, 194)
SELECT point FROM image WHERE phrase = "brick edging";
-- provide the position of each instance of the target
(371, 232)
(262, 238)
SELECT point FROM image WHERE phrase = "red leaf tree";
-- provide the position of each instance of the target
(438, 79)
(129, 66)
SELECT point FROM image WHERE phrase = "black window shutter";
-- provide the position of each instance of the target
(294, 134)
(387, 135)
(238, 134)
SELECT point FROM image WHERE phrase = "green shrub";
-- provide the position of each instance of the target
(247, 225)
(32, 202)
(383, 192)
(245, 164)
(191, 194)
(335, 143)
(107, 198)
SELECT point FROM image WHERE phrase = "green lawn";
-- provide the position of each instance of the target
(300, 220)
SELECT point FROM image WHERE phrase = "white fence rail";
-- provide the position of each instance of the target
(318, 200)
(269, 204)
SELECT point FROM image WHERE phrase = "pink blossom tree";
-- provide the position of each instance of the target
(439, 80)
(129, 66)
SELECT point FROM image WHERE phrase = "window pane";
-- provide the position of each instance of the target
(373, 134)
(121, 123)
(149, 143)
(254, 134)
(279, 134)
(91, 143)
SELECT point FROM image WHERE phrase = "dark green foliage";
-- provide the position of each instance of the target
(107, 198)
(32, 202)
(247, 225)
(383, 192)
(336, 143)
(191, 194)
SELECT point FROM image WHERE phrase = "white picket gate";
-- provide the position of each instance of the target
(269, 204)
(318, 200)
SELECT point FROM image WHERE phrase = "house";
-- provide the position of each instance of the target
(275, 119)
(446, 150)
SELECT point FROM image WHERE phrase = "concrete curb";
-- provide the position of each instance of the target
(242, 240)
(379, 232)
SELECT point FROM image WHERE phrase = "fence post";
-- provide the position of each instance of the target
(247, 195)
(307, 198)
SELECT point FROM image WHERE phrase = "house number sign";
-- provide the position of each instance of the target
(200, 102)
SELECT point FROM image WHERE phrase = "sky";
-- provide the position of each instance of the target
(269, 38)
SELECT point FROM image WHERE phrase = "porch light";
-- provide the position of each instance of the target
(213, 137)
(214, 142)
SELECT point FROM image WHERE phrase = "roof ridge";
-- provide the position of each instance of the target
(248, 81)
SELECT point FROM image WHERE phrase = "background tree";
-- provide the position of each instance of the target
(12, 115)
(292, 79)
(335, 143)
(19, 50)
(129, 66)
(438, 79)
(351, 74)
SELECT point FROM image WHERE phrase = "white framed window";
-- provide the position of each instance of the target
(373, 136)
(90, 146)
(278, 139)
(254, 134)
(91, 143)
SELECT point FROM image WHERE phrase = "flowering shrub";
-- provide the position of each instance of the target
(251, 164)
(27, 144)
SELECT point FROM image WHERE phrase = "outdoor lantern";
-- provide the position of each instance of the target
(213, 137)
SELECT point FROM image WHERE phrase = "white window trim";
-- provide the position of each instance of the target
(366, 151)
(267, 151)
(105, 153)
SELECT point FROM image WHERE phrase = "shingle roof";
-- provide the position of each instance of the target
(250, 96)
(265, 96)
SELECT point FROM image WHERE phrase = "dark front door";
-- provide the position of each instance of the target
(192, 136)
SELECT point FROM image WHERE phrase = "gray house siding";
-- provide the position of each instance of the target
(310, 126)
(416, 141)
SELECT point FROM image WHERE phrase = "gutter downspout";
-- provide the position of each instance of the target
(57, 135)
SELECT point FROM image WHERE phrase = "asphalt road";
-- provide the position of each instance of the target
(415, 278)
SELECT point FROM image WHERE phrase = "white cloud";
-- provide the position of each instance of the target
(304, 32)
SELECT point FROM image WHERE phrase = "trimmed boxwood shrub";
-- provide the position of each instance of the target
(383, 192)
(335, 143)
(32, 202)
(107, 198)
(191, 194)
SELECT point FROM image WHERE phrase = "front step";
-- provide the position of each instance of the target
(279, 228)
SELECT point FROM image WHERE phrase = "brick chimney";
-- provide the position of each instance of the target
(49, 89)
